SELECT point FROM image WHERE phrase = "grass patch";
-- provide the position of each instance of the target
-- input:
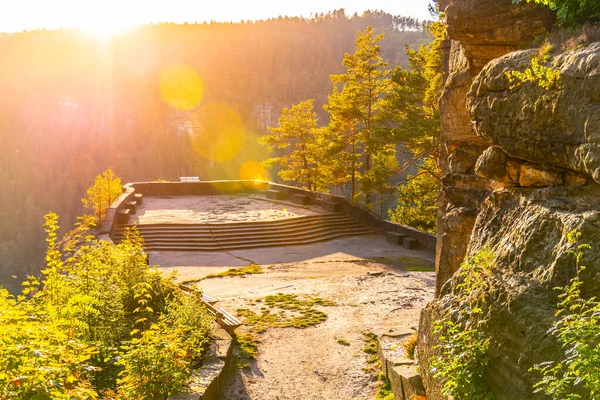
(343, 342)
(285, 310)
(410, 344)
(370, 347)
(406, 263)
(373, 367)
(246, 349)
(247, 270)
(384, 392)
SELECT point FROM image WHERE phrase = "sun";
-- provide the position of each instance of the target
(105, 29)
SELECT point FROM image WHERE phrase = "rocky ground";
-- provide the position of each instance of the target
(368, 279)
(216, 209)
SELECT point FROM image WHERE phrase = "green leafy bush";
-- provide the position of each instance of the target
(463, 343)
(545, 77)
(105, 190)
(571, 11)
(100, 324)
(578, 331)
(417, 199)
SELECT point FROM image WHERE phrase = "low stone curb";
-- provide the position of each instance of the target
(208, 381)
(401, 371)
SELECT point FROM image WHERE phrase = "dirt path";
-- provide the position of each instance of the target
(309, 363)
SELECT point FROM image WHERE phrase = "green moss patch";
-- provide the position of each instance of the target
(248, 270)
(405, 263)
(285, 310)
(245, 348)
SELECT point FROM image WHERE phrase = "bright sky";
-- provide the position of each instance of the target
(105, 16)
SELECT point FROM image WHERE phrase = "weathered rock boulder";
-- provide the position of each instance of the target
(544, 163)
(478, 31)
(491, 28)
(558, 127)
(536, 178)
(526, 231)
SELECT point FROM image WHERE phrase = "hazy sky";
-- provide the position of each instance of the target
(104, 16)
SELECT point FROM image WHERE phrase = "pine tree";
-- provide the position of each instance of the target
(413, 119)
(106, 189)
(355, 107)
(297, 138)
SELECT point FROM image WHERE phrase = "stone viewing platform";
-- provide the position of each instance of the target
(212, 215)
(216, 209)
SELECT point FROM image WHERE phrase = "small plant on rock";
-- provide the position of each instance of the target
(463, 343)
(545, 77)
(578, 331)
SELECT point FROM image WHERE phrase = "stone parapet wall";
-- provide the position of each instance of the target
(426, 240)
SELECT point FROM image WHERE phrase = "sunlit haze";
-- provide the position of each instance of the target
(109, 16)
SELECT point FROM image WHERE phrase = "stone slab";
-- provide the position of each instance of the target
(395, 237)
(332, 206)
(123, 216)
(275, 195)
(410, 243)
(131, 205)
(301, 199)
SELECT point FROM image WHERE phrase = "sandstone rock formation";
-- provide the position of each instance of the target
(559, 127)
(478, 31)
(522, 169)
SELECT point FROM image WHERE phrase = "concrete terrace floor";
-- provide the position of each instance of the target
(373, 283)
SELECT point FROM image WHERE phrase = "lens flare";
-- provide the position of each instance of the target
(181, 87)
(222, 134)
(255, 173)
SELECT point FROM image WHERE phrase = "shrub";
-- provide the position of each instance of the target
(100, 322)
(570, 12)
(545, 77)
(463, 343)
(578, 331)
(105, 190)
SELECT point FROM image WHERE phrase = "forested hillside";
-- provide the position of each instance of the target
(72, 105)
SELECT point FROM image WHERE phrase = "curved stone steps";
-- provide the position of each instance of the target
(265, 231)
(245, 235)
(249, 239)
(255, 245)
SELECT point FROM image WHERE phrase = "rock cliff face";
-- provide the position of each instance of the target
(522, 169)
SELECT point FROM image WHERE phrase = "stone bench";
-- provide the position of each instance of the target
(131, 205)
(123, 216)
(410, 243)
(189, 179)
(275, 194)
(332, 206)
(139, 198)
(395, 238)
(301, 199)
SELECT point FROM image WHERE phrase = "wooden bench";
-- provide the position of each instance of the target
(275, 194)
(131, 205)
(205, 298)
(301, 199)
(189, 179)
(226, 320)
(395, 237)
(123, 216)
(332, 206)
(139, 198)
